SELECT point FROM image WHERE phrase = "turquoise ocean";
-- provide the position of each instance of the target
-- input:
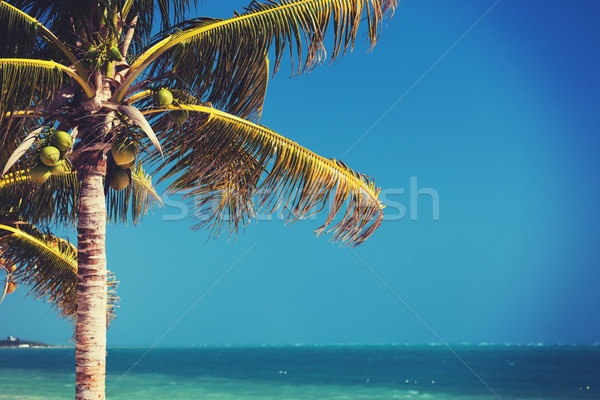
(315, 372)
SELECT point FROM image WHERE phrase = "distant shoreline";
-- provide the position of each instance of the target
(49, 346)
(15, 343)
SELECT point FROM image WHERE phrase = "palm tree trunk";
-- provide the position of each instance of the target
(90, 336)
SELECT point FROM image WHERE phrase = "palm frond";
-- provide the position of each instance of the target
(14, 128)
(48, 266)
(55, 201)
(44, 80)
(171, 12)
(18, 33)
(220, 162)
(212, 51)
(134, 201)
(61, 15)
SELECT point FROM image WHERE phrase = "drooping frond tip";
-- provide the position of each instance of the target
(225, 165)
(47, 265)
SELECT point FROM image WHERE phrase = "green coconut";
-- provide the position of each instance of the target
(163, 98)
(124, 152)
(59, 168)
(39, 173)
(50, 155)
(92, 52)
(120, 179)
(179, 117)
(61, 140)
(114, 54)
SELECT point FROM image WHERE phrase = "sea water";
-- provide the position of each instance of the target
(315, 372)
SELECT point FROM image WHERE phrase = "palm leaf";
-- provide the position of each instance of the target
(221, 161)
(14, 130)
(48, 265)
(18, 33)
(136, 116)
(44, 80)
(55, 201)
(213, 52)
(22, 149)
(60, 15)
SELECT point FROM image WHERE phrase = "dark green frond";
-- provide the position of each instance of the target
(60, 15)
(47, 265)
(18, 32)
(12, 132)
(43, 79)
(220, 162)
(171, 12)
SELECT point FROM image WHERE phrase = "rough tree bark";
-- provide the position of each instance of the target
(90, 336)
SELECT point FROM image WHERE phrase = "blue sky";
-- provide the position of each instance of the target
(503, 128)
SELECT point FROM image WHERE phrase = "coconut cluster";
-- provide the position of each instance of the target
(51, 158)
(96, 56)
(123, 153)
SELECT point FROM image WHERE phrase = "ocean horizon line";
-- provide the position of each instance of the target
(327, 345)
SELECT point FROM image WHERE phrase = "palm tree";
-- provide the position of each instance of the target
(185, 104)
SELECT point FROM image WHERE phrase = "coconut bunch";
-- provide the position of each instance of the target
(52, 151)
(51, 156)
(124, 152)
(124, 149)
(97, 55)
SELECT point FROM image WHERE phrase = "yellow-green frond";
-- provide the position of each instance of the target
(44, 80)
(47, 266)
(205, 52)
(54, 201)
(221, 162)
